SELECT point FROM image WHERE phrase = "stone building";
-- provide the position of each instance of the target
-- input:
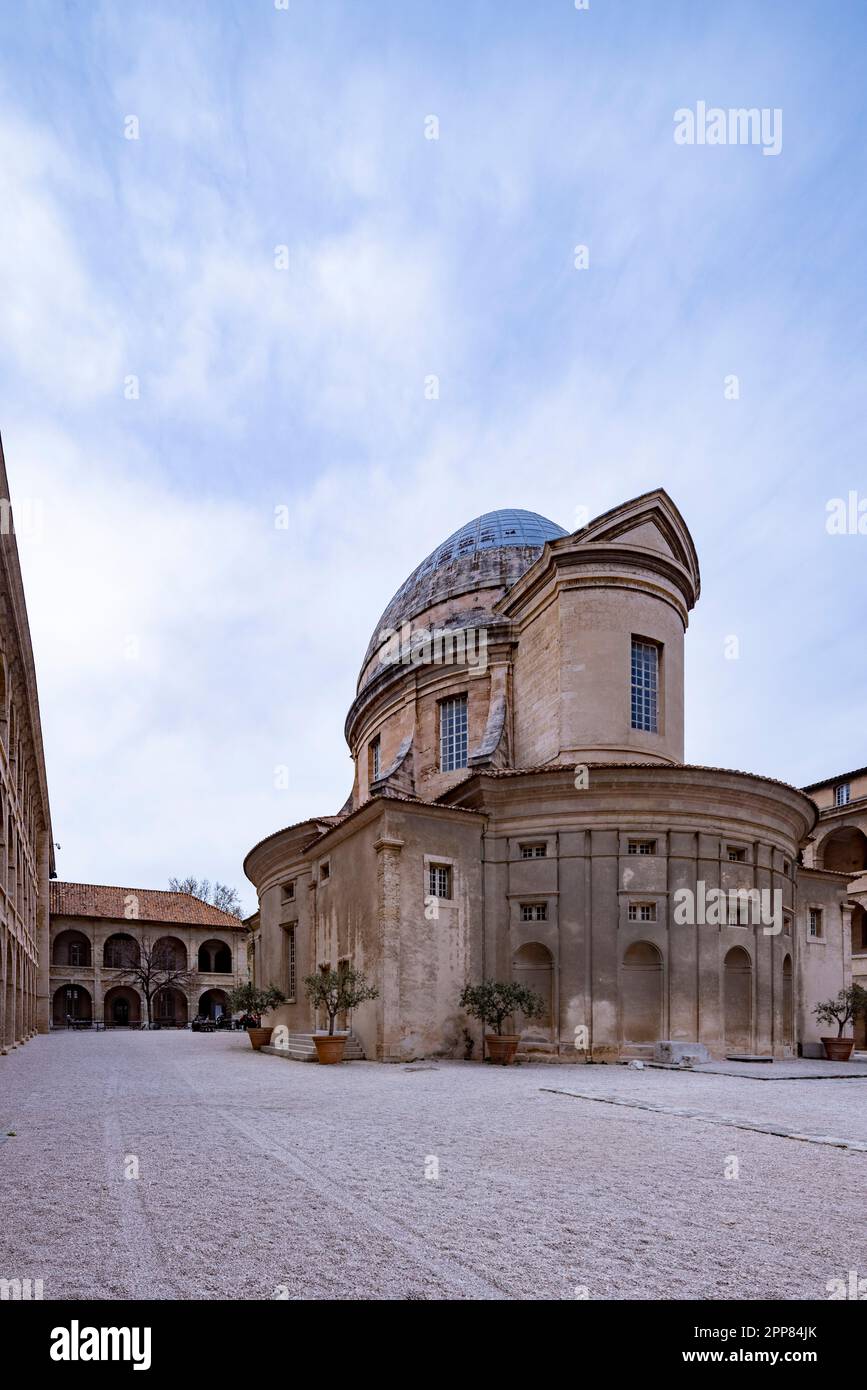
(26, 847)
(97, 931)
(521, 808)
(838, 848)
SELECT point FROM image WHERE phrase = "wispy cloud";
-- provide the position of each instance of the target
(186, 646)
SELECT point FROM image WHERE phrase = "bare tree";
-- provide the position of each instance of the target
(154, 970)
(219, 895)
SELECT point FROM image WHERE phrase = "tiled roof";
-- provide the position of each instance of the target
(830, 781)
(297, 825)
(497, 772)
(332, 822)
(154, 905)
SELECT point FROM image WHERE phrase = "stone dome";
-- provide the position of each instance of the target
(491, 552)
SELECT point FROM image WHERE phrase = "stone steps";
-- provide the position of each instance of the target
(300, 1047)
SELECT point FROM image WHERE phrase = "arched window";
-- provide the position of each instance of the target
(71, 948)
(120, 952)
(844, 850)
(169, 953)
(215, 958)
(71, 1004)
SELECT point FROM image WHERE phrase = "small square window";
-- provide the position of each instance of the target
(534, 851)
(440, 881)
(642, 912)
(287, 892)
(641, 847)
(324, 872)
(842, 794)
(736, 855)
(534, 912)
(815, 930)
(787, 868)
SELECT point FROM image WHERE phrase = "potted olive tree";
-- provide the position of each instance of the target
(848, 1005)
(492, 1002)
(336, 991)
(253, 1003)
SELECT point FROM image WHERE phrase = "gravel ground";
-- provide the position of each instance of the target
(261, 1178)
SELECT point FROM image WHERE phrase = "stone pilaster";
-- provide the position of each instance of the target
(388, 848)
(43, 941)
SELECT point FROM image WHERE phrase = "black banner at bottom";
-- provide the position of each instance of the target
(62, 1339)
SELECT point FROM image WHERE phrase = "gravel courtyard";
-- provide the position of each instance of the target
(261, 1178)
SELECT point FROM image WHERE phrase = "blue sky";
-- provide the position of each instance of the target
(185, 647)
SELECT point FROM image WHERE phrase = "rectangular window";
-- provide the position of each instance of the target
(287, 892)
(76, 953)
(440, 881)
(641, 847)
(645, 685)
(736, 855)
(642, 912)
(534, 912)
(324, 872)
(534, 851)
(842, 793)
(453, 733)
(375, 760)
(815, 928)
(290, 961)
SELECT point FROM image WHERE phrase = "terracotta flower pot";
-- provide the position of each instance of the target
(838, 1049)
(329, 1047)
(502, 1047)
(259, 1037)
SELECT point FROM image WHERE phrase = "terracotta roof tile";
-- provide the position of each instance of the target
(830, 781)
(568, 767)
(154, 905)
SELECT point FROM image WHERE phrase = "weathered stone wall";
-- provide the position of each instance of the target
(588, 879)
(824, 965)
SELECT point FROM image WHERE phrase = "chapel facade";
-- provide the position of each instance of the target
(521, 809)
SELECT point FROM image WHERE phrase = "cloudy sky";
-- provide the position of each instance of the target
(237, 311)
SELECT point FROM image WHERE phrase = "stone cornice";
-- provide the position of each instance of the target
(500, 638)
(610, 566)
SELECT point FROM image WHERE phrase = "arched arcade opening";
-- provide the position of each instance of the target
(71, 1004)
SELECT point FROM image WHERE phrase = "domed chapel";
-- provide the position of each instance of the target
(521, 810)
